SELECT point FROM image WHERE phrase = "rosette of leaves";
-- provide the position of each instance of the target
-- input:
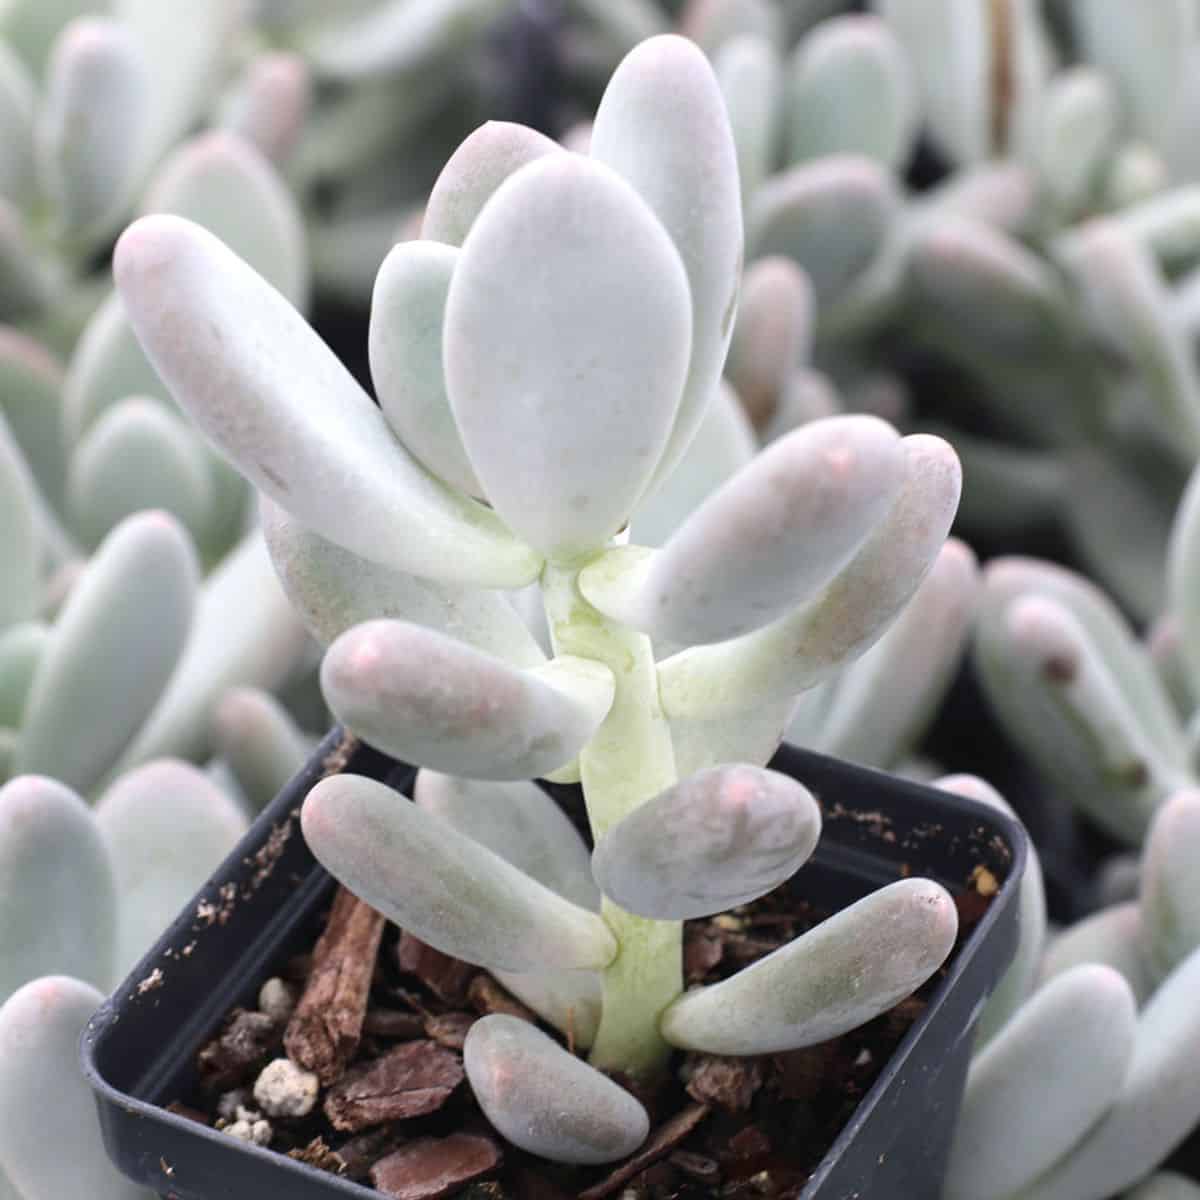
(1085, 1086)
(550, 347)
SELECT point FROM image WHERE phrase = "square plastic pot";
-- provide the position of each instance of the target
(140, 1048)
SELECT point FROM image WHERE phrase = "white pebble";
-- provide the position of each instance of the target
(250, 1127)
(277, 999)
(285, 1090)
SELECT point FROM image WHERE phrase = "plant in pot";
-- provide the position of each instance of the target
(551, 345)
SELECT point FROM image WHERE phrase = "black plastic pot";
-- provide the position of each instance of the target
(139, 1049)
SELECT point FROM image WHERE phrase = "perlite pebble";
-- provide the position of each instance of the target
(250, 1127)
(277, 999)
(285, 1090)
(230, 1102)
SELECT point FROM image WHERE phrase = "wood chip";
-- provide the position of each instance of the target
(446, 977)
(431, 1168)
(361, 1153)
(659, 1144)
(450, 1029)
(729, 1083)
(699, 1167)
(318, 1154)
(750, 1142)
(232, 1057)
(413, 1079)
(325, 1030)
(487, 996)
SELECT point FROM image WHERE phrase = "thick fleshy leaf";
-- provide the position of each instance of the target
(408, 310)
(269, 103)
(1183, 576)
(1045, 1080)
(662, 125)
(836, 977)
(1137, 174)
(723, 444)
(333, 589)
(752, 734)
(1156, 1108)
(1019, 977)
(257, 737)
(1112, 936)
(544, 1099)
(31, 387)
(443, 886)
(769, 540)
(1166, 1185)
(399, 37)
(845, 620)
(831, 216)
(20, 543)
(1170, 889)
(27, 283)
(167, 827)
(429, 699)
(49, 1137)
(291, 416)
(588, 379)
(183, 71)
(1076, 134)
(138, 456)
(115, 646)
(750, 74)
(774, 333)
(93, 117)
(851, 90)
(571, 1001)
(21, 648)
(883, 702)
(245, 634)
(17, 100)
(1142, 47)
(717, 839)
(484, 160)
(1002, 193)
(58, 901)
(520, 823)
(222, 182)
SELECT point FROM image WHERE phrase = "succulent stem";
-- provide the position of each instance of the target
(629, 760)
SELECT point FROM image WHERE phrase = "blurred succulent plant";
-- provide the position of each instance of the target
(1087, 1085)
(89, 103)
(590, 299)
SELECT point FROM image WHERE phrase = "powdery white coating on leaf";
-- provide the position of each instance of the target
(92, 120)
(443, 886)
(851, 90)
(845, 620)
(1170, 889)
(571, 1001)
(831, 217)
(333, 589)
(749, 72)
(1157, 1106)
(408, 309)
(719, 838)
(115, 646)
(1042, 1083)
(545, 1100)
(138, 456)
(270, 102)
(260, 742)
(19, 540)
(1112, 936)
(482, 162)
(662, 125)
(50, 1139)
(275, 398)
(17, 102)
(429, 699)
(58, 903)
(771, 538)
(564, 394)
(222, 182)
(31, 399)
(520, 823)
(836, 977)
(1077, 133)
(167, 827)
(21, 648)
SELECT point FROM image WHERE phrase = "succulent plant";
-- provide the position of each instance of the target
(503, 376)
(1087, 1086)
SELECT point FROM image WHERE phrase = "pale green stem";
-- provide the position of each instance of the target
(629, 760)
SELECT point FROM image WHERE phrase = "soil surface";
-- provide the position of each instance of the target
(372, 1023)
